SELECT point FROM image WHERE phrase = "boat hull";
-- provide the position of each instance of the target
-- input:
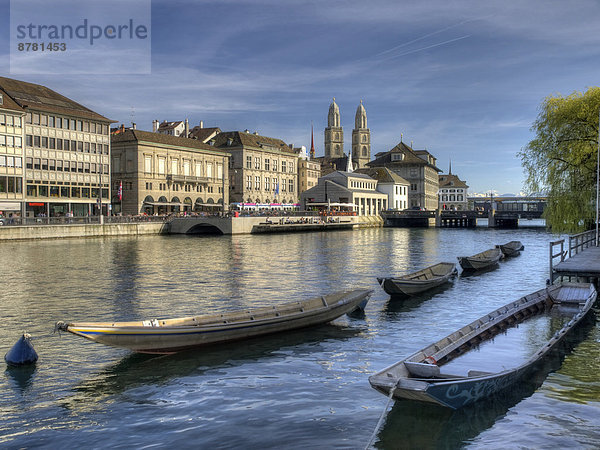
(419, 376)
(157, 336)
(512, 248)
(421, 281)
(481, 261)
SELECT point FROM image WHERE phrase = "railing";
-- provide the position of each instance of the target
(88, 220)
(577, 243)
(562, 253)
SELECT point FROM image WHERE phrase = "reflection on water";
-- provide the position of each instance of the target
(308, 389)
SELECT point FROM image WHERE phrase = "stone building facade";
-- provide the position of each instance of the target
(66, 151)
(12, 126)
(418, 167)
(263, 170)
(163, 174)
(453, 193)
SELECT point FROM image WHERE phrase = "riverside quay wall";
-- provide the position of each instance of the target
(199, 225)
(13, 233)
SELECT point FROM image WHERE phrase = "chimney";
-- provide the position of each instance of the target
(186, 129)
(154, 126)
(201, 124)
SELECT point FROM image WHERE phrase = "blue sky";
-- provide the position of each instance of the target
(463, 79)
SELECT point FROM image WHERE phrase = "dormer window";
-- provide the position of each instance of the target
(397, 156)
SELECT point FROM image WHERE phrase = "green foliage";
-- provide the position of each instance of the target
(561, 160)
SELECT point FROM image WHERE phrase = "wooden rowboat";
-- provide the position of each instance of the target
(417, 282)
(511, 248)
(420, 376)
(481, 260)
(173, 335)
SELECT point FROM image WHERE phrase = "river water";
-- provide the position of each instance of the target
(305, 389)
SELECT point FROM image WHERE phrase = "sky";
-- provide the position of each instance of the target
(461, 79)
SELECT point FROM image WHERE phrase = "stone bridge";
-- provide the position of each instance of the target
(263, 224)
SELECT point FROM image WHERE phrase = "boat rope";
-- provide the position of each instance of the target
(380, 422)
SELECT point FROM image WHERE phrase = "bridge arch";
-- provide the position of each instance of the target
(204, 228)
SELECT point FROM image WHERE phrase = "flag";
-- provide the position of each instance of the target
(120, 191)
(277, 188)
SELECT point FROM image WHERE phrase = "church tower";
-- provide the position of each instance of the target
(334, 133)
(361, 139)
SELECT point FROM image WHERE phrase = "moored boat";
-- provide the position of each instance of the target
(173, 335)
(481, 260)
(420, 281)
(511, 248)
(422, 376)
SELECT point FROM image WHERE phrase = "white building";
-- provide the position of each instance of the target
(391, 184)
(345, 191)
(453, 193)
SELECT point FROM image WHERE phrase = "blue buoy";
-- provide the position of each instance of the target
(22, 353)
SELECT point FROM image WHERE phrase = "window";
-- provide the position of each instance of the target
(29, 163)
(52, 143)
(267, 184)
(59, 123)
(174, 166)
(282, 185)
(86, 147)
(36, 141)
(291, 185)
(397, 156)
(2, 140)
(186, 168)
(274, 165)
(248, 182)
(148, 164)
(36, 119)
(2, 119)
(220, 171)
(51, 121)
(44, 142)
(291, 167)
(248, 162)
(257, 162)
(257, 183)
(283, 166)
(209, 170)
(44, 120)
(44, 164)
(198, 169)
(80, 146)
(161, 166)
(267, 164)
(18, 122)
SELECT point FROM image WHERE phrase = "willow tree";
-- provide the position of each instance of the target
(562, 159)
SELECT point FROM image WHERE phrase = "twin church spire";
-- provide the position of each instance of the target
(361, 136)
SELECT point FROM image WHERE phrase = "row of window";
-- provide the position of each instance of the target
(362, 185)
(65, 144)
(66, 123)
(269, 184)
(11, 121)
(286, 166)
(11, 185)
(174, 187)
(452, 198)
(186, 167)
(400, 190)
(65, 166)
(11, 161)
(35, 190)
(11, 141)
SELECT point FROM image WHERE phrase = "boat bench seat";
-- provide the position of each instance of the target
(477, 373)
(422, 370)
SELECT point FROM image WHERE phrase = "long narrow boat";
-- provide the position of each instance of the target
(173, 335)
(511, 248)
(481, 260)
(420, 376)
(417, 282)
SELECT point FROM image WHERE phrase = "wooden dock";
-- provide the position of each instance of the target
(580, 260)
